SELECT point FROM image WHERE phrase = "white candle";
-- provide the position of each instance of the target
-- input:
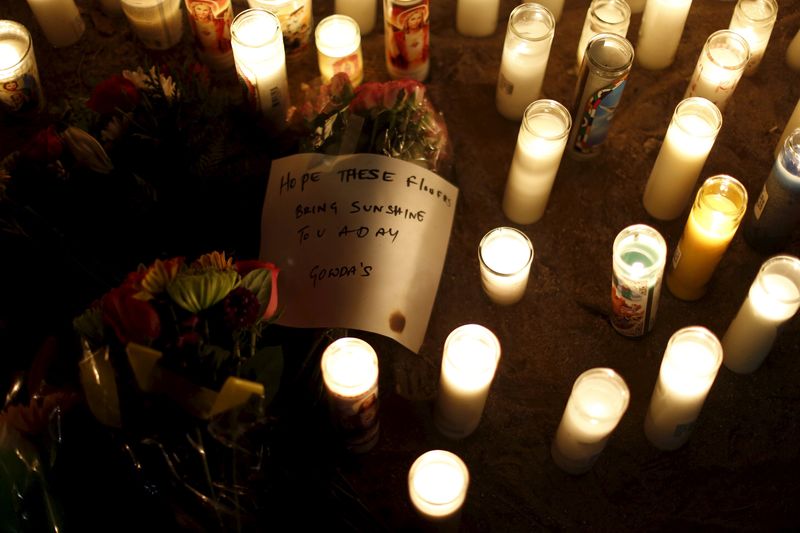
(471, 354)
(556, 7)
(437, 485)
(296, 19)
(753, 20)
(350, 372)
(540, 145)
(604, 16)
(60, 20)
(792, 124)
(339, 48)
(793, 53)
(477, 18)
(688, 370)
(20, 90)
(598, 400)
(719, 68)
(660, 32)
(689, 139)
(525, 53)
(773, 299)
(505, 256)
(362, 11)
(157, 23)
(261, 63)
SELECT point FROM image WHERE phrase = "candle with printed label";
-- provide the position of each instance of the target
(157, 23)
(477, 18)
(437, 485)
(406, 34)
(719, 68)
(210, 21)
(60, 20)
(339, 48)
(362, 11)
(20, 90)
(505, 256)
(754, 20)
(660, 32)
(604, 16)
(296, 21)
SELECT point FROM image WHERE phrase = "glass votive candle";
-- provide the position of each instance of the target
(406, 32)
(296, 22)
(690, 137)
(60, 21)
(339, 48)
(362, 11)
(660, 32)
(476, 18)
(350, 373)
(604, 16)
(773, 299)
(20, 89)
(505, 256)
(598, 400)
(540, 146)
(157, 23)
(437, 485)
(754, 20)
(719, 67)
(688, 371)
(639, 256)
(211, 26)
(469, 362)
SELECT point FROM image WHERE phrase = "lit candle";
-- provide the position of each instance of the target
(598, 400)
(406, 35)
(20, 90)
(792, 124)
(718, 209)
(773, 299)
(157, 23)
(540, 145)
(719, 67)
(505, 256)
(690, 136)
(793, 52)
(753, 20)
(471, 354)
(339, 48)
(60, 20)
(660, 32)
(350, 372)
(362, 11)
(437, 485)
(477, 18)
(526, 50)
(604, 16)
(261, 63)
(638, 260)
(556, 7)
(296, 22)
(211, 26)
(688, 370)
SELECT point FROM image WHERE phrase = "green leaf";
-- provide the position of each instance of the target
(266, 367)
(259, 281)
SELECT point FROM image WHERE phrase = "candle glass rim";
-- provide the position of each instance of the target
(621, 43)
(436, 456)
(548, 107)
(539, 12)
(791, 148)
(723, 184)
(767, 20)
(17, 29)
(649, 233)
(611, 376)
(256, 13)
(470, 330)
(336, 17)
(707, 338)
(504, 229)
(341, 344)
(791, 271)
(622, 5)
(708, 109)
(714, 41)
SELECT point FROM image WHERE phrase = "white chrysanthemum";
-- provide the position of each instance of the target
(142, 80)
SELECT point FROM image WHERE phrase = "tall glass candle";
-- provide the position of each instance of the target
(688, 370)
(471, 354)
(660, 32)
(407, 38)
(350, 372)
(604, 16)
(556, 7)
(20, 90)
(157, 23)
(792, 124)
(540, 145)
(339, 48)
(719, 67)
(505, 256)
(753, 20)
(211, 26)
(437, 485)
(476, 18)
(718, 209)
(690, 136)
(598, 400)
(296, 20)
(261, 63)
(793, 53)
(773, 299)
(638, 260)
(60, 20)
(526, 50)
(362, 11)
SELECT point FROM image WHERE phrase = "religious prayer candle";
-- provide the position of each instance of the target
(719, 67)
(60, 20)
(773, 299)
(477, 18)
(690, 136)
(20, 90)
(556, 7)
(638, 260)
(526, 50)
(339, 48)
(688, 370)
(598, 400)
(753, 20)
(362, 11)
(296, 22)
(718, 209)
(157, 23)
(604, 16)
(407, 38)
(437, 485)
(540, 145)
(211, 26)
(792, 124)
(660, 32)
(793, 53)
(505, 256)
(601, 81)
(350, 372)
(261, 63)
(471, 354)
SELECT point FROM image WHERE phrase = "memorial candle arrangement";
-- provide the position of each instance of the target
(793, 53)
(211, 26)
(718, 209)
(157, 23)
(350, 372)
(638, 260)
(362, 11)
(296, 22)
(437, 485)
(792, 124)
(719, 68)
(754, 20)
(407, 38)
(338, 41)
(598, 400)
(540, 145)
(20, 90)
(660, 32)
(471, 354)
(688, 371)
(505, 256)
(773, 299)
(476, 18)
(604, 16)
(526, 50)
(690, 136)
(60, 20)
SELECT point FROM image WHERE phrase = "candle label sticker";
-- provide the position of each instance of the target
(357, 419)
(596, 117)
(504, 85)
(362, 236)
(632, 303)
(296, 25)
(350, 65)
(20, 94)
(407, 36)
(761, 203)
(211, 27)
(677, 257)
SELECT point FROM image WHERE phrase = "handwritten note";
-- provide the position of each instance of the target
(361, 241)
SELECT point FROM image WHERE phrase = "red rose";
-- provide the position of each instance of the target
(112, 94)
(46, 145)
(244, 267)
(132, 319)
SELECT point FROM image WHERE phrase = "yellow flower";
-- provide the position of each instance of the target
(213, 261)
(160, 274)
(196, 291)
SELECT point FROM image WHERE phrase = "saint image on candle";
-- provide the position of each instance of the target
(719, 68)
(505, 256)
(20, 90)
(211, 27)
(339, 48)
(407, 35)
(437, 486)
